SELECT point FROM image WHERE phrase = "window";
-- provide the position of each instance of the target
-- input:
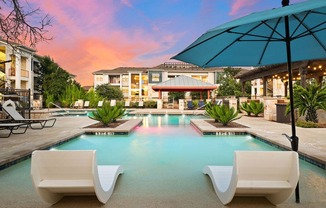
(114, 79)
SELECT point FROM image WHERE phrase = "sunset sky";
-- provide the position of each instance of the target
(89, 35)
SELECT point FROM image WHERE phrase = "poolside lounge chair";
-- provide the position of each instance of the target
(12, 127)
(219, 101)
(272, 174)
(127, 103)
(113, 102)
(100, 104)
(201, 104)
(86, 104)
(190, 105)
(56, 174)
(141, 104)
(11, 111)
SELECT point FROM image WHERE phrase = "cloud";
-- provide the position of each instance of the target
(241, 6)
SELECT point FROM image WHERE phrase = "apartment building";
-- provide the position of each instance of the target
(136, 82)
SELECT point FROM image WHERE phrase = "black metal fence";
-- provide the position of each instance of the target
(22, 99)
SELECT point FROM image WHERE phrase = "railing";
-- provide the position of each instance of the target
(65, 111)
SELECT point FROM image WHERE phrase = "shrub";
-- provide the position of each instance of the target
(150, 104)
(246, 107)
(252, 107)
(108, 114)
(256, 108)
(222, 113)
(307, 124)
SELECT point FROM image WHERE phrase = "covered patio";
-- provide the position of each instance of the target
(184, 84)
(302, 71)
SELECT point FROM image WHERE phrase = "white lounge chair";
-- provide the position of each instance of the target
(86, 104)
(9, 108)
(100, 104)
(127, 103)
(141, 104)
(113, 102)
(272, 174)
(56, 174)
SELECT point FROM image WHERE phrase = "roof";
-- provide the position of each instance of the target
(183, 83)
(314, 68)
(176, 67)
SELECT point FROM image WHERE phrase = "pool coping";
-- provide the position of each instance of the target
(124, 129)
(205, 128)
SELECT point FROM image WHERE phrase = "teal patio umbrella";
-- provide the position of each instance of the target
(283, 35)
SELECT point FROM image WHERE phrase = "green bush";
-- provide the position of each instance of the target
(256, 108)
(253, 107)
(108, 114)
(246, 107)
(307, 124)
(150, 104)
(222, 113)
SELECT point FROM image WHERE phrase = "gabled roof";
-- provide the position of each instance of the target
(183, 83)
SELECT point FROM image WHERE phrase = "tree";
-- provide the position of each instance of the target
(18, 25)
(109, 92)
(177, 95)
(196, 95)
(309, 100)
(228, 84)
(54, 80)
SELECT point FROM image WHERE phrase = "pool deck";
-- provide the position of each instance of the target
(312, 143)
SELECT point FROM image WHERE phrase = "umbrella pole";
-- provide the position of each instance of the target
(293, 139)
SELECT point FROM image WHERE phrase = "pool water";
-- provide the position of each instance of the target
(163, 160)
(165, 155)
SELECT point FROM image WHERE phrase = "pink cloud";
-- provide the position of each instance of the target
(87, 38)
(239, 5)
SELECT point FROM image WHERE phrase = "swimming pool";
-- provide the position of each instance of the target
(163, 161)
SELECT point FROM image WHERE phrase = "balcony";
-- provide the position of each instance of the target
(23, 72)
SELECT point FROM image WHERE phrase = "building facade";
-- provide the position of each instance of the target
(136, 82)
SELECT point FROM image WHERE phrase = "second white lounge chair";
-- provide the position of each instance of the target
(272, 174)
(56, 174)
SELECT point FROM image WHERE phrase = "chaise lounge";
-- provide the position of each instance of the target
(12, 128)
(272, 174)
(56, 174)
(9, 108)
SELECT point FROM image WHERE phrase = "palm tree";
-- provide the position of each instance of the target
(309, 100)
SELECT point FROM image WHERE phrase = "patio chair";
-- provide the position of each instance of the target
(56, 174)
(86, 104)
(190, 105)
(113, 103)
(141, 104)
(219, 101)
(272, 174)
(9, 108)
(201, 104)
(127, 103)
(100, 104)
(12, 127)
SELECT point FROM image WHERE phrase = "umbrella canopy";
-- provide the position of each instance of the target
(259, 38)
(291, 33)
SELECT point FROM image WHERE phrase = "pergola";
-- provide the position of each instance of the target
(301, 71)
(184, 84)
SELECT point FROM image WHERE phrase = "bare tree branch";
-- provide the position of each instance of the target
(18, 24)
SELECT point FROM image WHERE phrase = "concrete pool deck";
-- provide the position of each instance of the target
(312, 143)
